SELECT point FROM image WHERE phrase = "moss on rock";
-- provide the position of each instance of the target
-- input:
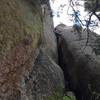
(58, 93)
(17, 20)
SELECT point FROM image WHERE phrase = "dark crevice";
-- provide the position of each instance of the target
(61, 61)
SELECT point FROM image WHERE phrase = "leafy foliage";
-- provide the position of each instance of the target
(90, 5)
(66, 98)
(93, 6)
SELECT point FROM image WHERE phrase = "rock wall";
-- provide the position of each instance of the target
(49, 38)
(80, 61)
(28, 52)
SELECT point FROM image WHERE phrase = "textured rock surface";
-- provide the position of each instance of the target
(49, 38)
(81, 63)
(27, 67)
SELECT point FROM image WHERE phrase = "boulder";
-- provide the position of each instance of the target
(28, 53)
(79, 58)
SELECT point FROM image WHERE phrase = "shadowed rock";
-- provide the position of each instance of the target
(80, 61)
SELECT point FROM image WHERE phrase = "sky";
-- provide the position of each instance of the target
(64, 17)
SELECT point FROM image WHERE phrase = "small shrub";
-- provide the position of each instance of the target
(66, 98)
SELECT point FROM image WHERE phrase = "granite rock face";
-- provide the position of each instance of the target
(80, 61)
(27, 55)
(49, 39)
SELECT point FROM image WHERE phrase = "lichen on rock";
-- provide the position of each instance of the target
(17, 20)
(27, 55)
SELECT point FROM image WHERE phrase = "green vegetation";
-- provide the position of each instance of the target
(91, 4)
(57, 96)
(66, 98)
(58, 93)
